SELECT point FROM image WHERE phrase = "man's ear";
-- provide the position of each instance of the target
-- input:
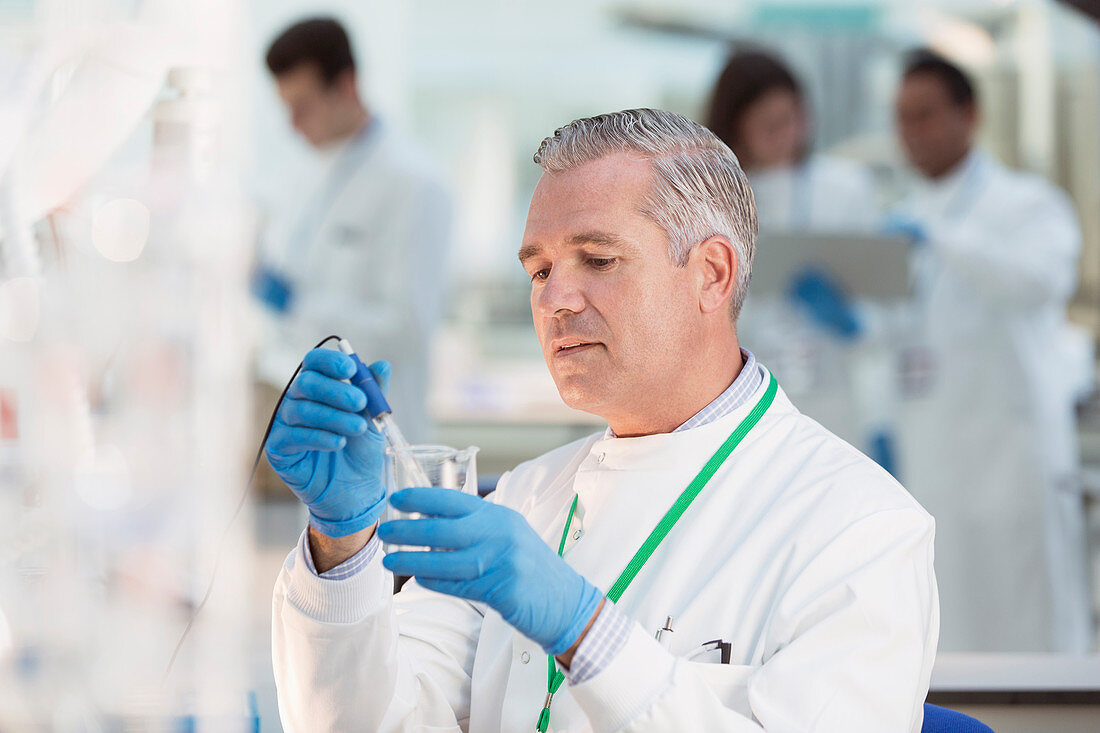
(716, 262)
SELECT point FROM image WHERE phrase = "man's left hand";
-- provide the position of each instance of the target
(485, 552)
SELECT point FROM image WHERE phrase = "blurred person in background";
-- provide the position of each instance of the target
(364, 253)
(759, 110)
(991, 448)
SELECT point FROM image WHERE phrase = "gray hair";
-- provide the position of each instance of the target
(699, 188)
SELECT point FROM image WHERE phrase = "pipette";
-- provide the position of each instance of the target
(382, 416)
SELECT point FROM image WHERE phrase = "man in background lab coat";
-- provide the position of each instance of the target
(795, 591)
(990, 449)
(364, 256)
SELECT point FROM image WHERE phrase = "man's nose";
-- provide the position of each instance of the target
(561, 292)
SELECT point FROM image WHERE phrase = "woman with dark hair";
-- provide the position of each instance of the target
(759, 110)
(817, 336)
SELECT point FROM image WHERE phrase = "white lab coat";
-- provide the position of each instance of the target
(367, 256)
(810, 560)
(990, 449)
(822, 194)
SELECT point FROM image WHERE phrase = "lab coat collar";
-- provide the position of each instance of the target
(953, 194)
(949, 183)
(657, 452)
(336, 152)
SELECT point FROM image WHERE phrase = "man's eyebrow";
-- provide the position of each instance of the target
(599, 239)
(603, 239)
(528, 251)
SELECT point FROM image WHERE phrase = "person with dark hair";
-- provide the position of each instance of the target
(315, 72)
(759, 110)
(937, 113)
(362, 253)
(990, 449)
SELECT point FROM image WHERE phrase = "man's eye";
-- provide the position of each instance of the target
(601, 262)
(541, 274)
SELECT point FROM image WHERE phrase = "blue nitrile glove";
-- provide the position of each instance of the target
(902, 225)
(324, 447)
(272, 288)
(491, 554)
(826, 302)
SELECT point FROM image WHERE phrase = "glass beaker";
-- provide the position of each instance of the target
(441, 465)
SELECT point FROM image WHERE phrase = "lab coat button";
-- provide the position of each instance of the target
(577, 534)
(525, 657)
(600, 457)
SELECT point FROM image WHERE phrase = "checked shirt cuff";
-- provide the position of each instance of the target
(604, 640)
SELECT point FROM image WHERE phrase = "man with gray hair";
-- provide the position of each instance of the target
(714, 560)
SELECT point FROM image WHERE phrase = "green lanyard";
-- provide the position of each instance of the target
(554, 676)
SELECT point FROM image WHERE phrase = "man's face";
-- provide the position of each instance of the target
(773, 130)
(616, 318)
(935, 131)
(316, 109)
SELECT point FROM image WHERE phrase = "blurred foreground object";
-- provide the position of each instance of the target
(122, 380)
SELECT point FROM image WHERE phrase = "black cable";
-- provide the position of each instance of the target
(236, 513)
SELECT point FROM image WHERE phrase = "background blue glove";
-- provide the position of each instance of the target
(494, 557)
(901, 225)
(825, 301)
(882, 451)
(325, 450)
(272, 288)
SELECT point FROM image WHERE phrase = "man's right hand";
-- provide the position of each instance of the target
(324, 447)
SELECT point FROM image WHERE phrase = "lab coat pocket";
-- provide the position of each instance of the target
(729, 682)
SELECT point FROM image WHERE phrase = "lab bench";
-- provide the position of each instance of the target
(1018, 693)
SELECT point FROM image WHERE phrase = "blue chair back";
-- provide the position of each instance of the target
(942, 720)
